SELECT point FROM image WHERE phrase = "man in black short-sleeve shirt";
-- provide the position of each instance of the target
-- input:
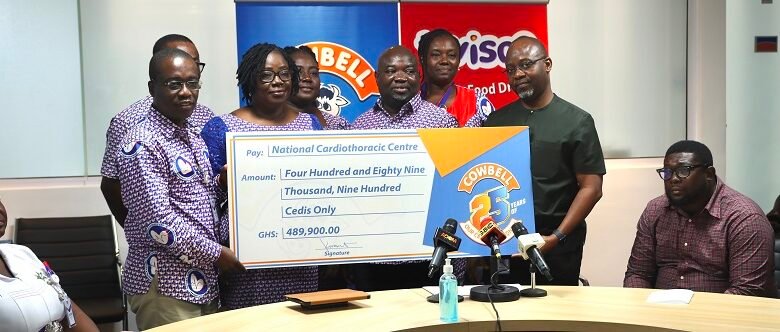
(567, 164)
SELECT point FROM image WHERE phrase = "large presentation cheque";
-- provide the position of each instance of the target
(333, 197)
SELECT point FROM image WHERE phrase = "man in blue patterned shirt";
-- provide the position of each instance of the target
(132, 115)
(169, 190)
(400, 107)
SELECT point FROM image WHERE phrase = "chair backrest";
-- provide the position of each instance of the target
(777, 264)
(81, 250)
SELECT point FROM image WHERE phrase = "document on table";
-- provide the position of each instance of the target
(670, 296)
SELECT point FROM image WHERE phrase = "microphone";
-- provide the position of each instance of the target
(528, 245)
(491, 235)
(445, 241)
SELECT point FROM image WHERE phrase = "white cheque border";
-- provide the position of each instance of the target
(234, 220)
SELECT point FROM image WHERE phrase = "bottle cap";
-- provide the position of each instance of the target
(447, 266)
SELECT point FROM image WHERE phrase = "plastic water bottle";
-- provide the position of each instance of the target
(448, 294)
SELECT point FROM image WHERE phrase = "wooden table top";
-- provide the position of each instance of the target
(565, 308)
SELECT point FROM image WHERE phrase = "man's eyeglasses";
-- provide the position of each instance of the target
(176, 86)
(524, 66)
(267, 76)
(201, 65)
(682, 171)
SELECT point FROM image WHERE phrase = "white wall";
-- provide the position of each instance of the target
(123, 32)
(752, 101)
(40, 85)
(624, 63)
(628, 186)
(707, 77)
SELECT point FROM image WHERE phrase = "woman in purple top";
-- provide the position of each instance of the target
(308, 99)
(267, 77)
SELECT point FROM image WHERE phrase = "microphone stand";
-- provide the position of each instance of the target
(434, 298)
(494, 292)
(533, 291)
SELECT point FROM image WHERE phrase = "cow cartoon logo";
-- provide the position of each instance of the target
(151, 266)
(196, 282)
(131, 149)
(183, 168)
(485, 107)
(491, 205)
(330, 99)
(347, 64)
(161, 234)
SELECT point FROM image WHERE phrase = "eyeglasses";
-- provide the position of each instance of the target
(201, 65)
(682, 171)
(267, 76)
(524, 66)
(176, 86)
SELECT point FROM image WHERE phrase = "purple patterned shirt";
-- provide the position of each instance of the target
(417, 113)
(127, 119)
(335, 122)
(258, 286)
(726, 248)
(168, 189)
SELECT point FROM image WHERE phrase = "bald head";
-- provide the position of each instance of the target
(398, 78)
(530, 45)
(394, 51)
(164, 55)
(528, 67)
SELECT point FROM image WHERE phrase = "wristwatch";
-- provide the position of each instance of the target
(559, 235)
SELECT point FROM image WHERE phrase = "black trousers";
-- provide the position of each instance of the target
(376, 277)
(564, 262)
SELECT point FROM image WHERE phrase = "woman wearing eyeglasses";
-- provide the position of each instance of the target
(439, 53)
(308, 100)
(267, 78)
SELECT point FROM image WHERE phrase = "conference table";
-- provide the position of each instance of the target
(566, 308)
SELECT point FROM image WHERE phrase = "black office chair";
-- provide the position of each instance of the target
(83, 252)
(777, 264)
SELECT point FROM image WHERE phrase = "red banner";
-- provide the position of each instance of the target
(485, 32)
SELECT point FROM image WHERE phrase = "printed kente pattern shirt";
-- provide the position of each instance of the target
(127, 119)
(417, 113)
(335, 122)
(169, 191)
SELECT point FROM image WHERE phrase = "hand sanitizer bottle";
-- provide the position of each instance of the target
(448, 294)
